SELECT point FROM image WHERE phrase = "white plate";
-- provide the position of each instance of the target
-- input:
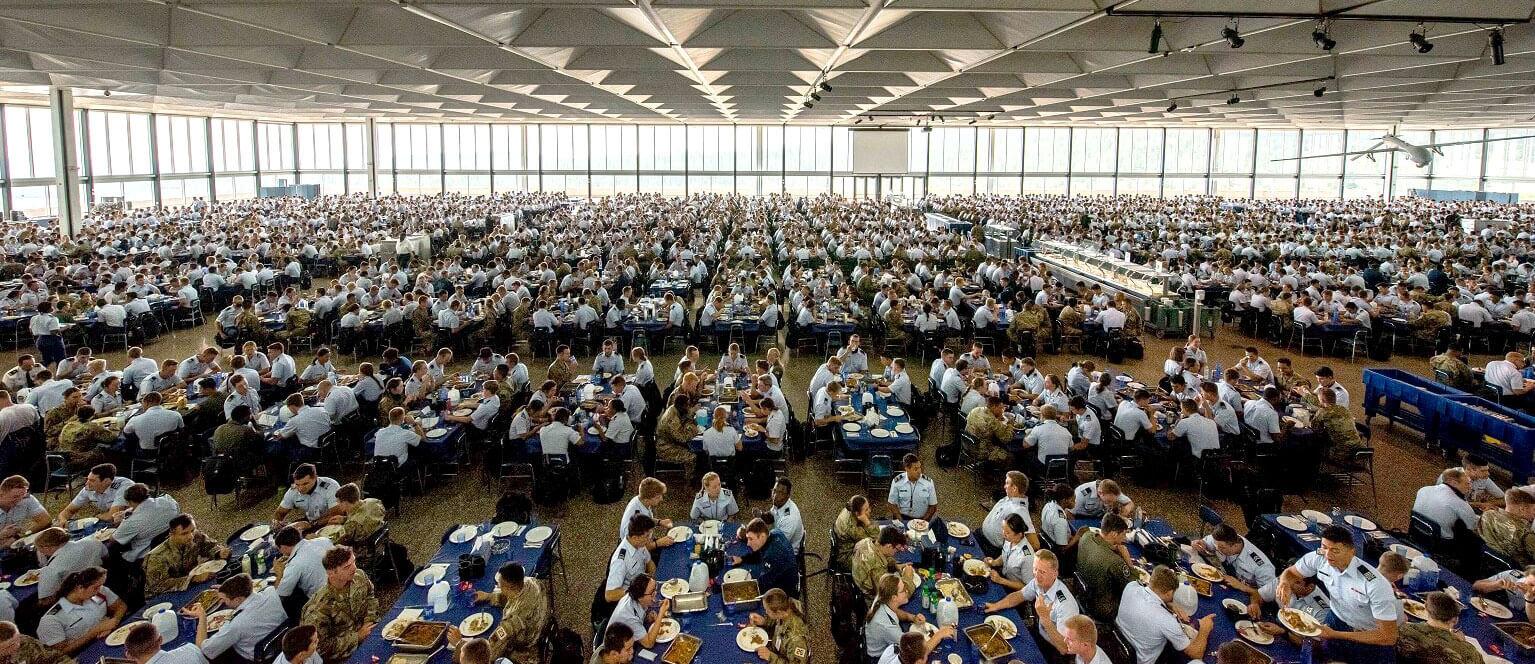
(81, 524)
(1189, 631)
(673, 588)
(880, 433)
(737, 574)
(1234, 604)
(151, 610)
(976, 567)
(28, 578)
(395, 628)
(957, 529)
(210, 567)
(710, 527)
(1310, 626)
(539, 534)
(895, 411)
(255, 532)
(904, 428)
(481, 623)
(463, 412)
(1491, 608)
(1406, 551)
(437, 433)
(104, 534)
(1321, 518)
(463, 534)
(752, 638)
(504, 529)
(679, 533)
(1135, 386)
(1247, 629)
(954, 658)
(430, 421)
(119, 636)
(1292, 523)
(218, 619)
(1415, 608)
(926, 629)
(669, 630)
(850, 427)
(430, 575)
(1005, 627)
(1360, 522)
(1207, 572)
(918, 525)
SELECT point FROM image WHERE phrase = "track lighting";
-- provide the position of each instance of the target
(1233, 38)
(972, 121)
(1172, 107)
(993, 116)
(858, 121)
(809, 104)
(825, 87)
(1322, 39)
(1496, 40)
(1156, 38)
(1321, 90)
(106, 93)
(1419, 39)
(1235, 99)
(816, 96)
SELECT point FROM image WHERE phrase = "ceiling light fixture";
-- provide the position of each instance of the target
(993, 116)
(1232, 36)
(816, 96)
(1322, 38)
(1156, 38)
(825, 87)
(106, 93)
(1496, 40)
(1235, 99)
(858, 121)
(1172, 107)
(972, 120)
(1419, 39)
(809, 104)
(1319, 91)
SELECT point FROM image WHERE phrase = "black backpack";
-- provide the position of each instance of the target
(947, 456)
(514, 506)
(609, 487)
(553, 484)
(220, 474)
(565, 647)
(382, 482)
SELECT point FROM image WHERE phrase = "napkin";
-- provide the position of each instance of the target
(411, 614)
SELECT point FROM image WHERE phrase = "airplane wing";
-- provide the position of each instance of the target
(1435, 147)
(1374, 150)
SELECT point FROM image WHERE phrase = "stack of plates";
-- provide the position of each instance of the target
(904, 428)
(850, 427)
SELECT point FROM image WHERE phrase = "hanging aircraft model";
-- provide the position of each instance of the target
(1420, 155)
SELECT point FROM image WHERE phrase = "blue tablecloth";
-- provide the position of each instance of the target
(23, 593)
(716, 626)
(660, 287)
(1472, 623)
(188, 627)
(535, 560)
(863, 439)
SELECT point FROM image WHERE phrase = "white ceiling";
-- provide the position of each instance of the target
(1033, 62)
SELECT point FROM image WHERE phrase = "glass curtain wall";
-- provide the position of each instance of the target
(148, 159)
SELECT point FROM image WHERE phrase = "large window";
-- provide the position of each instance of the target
(28, 143)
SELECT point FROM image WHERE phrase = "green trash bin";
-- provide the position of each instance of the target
(1209, 320)
(1170, 319)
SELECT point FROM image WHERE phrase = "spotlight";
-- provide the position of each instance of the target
(106, 93)
(993, 116)
(1323, 40)
(816, 96)
(1496, 41)
(972, 121)
(1156, 39)
(1235, 99)
(1233, 38)
(809, 105)
(825, 87)
(927, 128)
(1321, 90)
(1172, 107)
(858, 121)
(1419, 40)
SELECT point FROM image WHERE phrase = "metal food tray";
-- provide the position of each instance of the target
(1504, 630)
(684, 648)
(984, 633)
(746, 593)
(690, 602)
(954, 589)
(406, 647)
(1253, 654)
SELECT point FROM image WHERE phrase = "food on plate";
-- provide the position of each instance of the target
(1299, 622)
(421, 633)
(208, 598)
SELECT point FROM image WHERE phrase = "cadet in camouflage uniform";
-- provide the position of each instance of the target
(345, 609)
(1453, 362)
(54, 420)
(83, 437)
(297, 324)
(1426, 327)
(1435, 642)
(985, 423)
(874, 557)
(1337, 426)
(1507, 530)
(1070, 319)
(673, 432)
(524, 612)
(168, 567)
(786, 621)
(1024, 322)
(362, 516)
(18, 648)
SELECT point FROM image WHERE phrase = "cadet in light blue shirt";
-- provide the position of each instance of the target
(147, 519)
(311, 497)
(714, 501)
(912, 494)
(103, 491)
(608, 361)
(256, 616)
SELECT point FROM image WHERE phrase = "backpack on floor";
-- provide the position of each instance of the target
(1134, 350)
(609, 487)
(514, 506)
(382, 481)
(565, 647)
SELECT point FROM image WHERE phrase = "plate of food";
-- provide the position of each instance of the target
(926, 629)
(395, 628)
(1005, 627)
(904, 428)
(504, 529)
(977, 567)
(1249, 630)
(208, 598)
(751, 638)
(1491, 608)
(1292, 523)
(1234, 604)
(679, 533)
(737, 575)
(464, 412)
(119, 636)
(1320, 518)
(81, 524)
(476, 624)
(1141, 574)
(210, 567)
(1189, 631)
(1360, 522)
(1415, 608)
(1134, 385)
(104, 534)
(1300, 622)
(28, 578)
(218, 619)
(845, 410)
(670, 628)
(1207, 572)
(673, 588)
(957, 529)
(919, 525)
